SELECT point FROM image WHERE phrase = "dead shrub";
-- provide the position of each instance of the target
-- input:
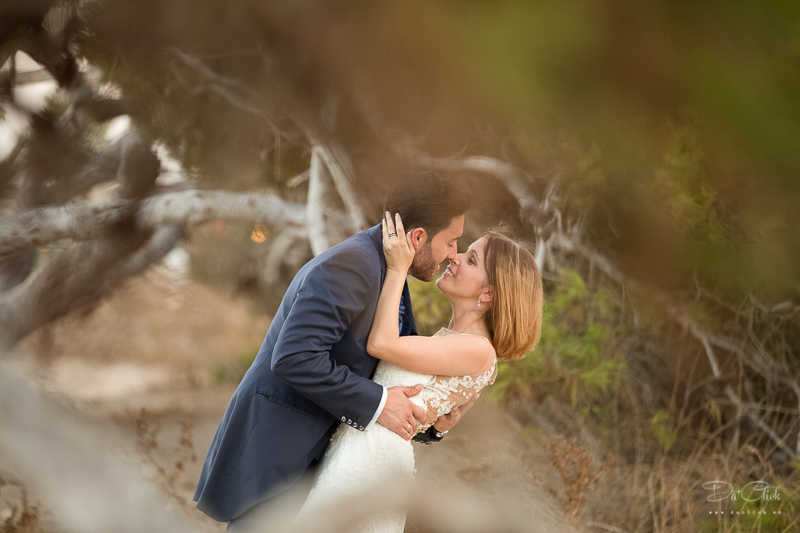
(574, 464)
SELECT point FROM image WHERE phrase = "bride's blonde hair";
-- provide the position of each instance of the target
(514, 317)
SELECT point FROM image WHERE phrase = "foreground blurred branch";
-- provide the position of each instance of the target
(48, 446)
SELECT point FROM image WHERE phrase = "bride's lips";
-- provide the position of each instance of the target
(447, 272)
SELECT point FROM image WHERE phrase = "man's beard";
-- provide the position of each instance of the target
(424, 266)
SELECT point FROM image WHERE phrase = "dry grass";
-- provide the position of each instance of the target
(574, 463)
(660, 491)
(147, 430)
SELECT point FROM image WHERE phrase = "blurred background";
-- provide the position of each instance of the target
(167, 166)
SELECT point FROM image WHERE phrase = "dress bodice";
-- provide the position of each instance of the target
(439, 393)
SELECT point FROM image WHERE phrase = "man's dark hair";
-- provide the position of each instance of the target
(429, 201)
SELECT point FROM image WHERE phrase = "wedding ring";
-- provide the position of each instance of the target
(392, 234)
(454, 416)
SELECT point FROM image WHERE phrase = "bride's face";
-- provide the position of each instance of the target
(465, 277)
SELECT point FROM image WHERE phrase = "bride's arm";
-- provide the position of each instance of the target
(453, 355)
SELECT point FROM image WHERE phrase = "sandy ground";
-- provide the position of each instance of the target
(154, 347)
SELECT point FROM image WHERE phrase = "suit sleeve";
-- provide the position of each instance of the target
(332, 296)
(428, 437)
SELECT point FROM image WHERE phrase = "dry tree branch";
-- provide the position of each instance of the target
(331, 163)
(85, 273)
(318, 189)
(63, 67)
(341, 172)
(78, 275)
(403, 146)
(511, 176)
(337, 163)
(22, 78)
(607, 527)
(102, 167)
(734, 397)
(159, 245)
(90, 220)
(325, 225)
(298, 179)
(230, 90)
(278, 251)
(195, 207)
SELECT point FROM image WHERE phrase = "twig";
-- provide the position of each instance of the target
(315, 208)
(606, 527)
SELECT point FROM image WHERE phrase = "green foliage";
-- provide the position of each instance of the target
(232, 372)
(663, 431)
(580, 354)
(796, 465)
(432, 309)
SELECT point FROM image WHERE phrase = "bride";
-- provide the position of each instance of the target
(495, 290)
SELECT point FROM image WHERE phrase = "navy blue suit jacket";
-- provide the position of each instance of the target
(311, 373)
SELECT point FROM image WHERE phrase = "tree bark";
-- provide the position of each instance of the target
(91, 220)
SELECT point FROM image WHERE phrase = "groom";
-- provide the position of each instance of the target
(312, 371)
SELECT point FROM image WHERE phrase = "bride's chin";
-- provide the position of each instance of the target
(442, 290)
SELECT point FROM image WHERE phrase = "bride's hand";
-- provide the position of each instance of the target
(397, 248)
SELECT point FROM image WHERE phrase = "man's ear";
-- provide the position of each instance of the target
(418, 237)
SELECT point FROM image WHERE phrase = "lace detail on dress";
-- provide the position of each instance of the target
(442, 394)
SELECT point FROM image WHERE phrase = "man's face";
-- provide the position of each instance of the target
(433, 251)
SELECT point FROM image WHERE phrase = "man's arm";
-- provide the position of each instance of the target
(332, 296)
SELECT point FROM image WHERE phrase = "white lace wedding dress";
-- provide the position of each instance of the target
(356, 460)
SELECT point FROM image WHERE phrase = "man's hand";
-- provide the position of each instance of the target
(448, 421)
(400, 414)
